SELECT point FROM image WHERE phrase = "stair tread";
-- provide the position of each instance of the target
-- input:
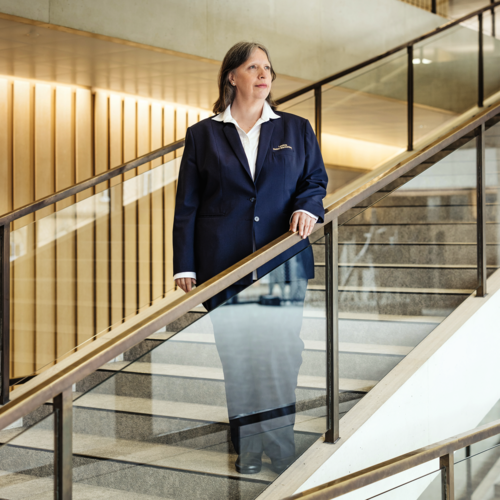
(22, 485)
(310, 345)
(194, 412)
(380, 289)
(405, 266)
(205, 461)
(213, 373)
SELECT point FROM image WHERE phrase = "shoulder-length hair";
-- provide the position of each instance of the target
(234, 58)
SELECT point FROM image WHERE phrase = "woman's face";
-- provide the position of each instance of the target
(253, 78)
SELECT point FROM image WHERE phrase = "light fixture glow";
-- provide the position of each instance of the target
(426, 61)
(416, 61)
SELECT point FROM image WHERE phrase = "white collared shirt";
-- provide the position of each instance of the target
(250, 142)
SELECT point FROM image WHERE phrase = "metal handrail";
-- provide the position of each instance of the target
(63, 375)
(368, 62)
(443, 450)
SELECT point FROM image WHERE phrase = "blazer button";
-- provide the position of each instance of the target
(256, 219)
(252, 199)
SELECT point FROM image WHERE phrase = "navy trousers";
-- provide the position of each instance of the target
(261, 353)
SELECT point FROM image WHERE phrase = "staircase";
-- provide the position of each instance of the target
(153, 424)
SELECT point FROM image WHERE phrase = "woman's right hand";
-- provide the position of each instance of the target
(186, 283)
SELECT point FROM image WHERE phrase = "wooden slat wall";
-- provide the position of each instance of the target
(46, 249)
(82, 268)
(441, 5)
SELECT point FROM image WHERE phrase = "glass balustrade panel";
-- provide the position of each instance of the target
(169, 417)
(406, 262)
(364, 120)
(86, 268)
(445, 79)
(491, 54)
(411, 489)
(27, 457)
(492, 181)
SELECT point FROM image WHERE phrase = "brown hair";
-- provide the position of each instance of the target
(234, 58)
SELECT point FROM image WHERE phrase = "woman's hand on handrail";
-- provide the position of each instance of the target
(302, 223)
(185, 283)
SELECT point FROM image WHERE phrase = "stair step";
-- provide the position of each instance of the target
(211, 373)
(395, 290)
(312, 345)
(16, 485)
(131, 465)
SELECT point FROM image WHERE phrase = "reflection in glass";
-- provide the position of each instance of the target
(245, 380)
(407, 259)
(492, 168)
(445, 78)
(27, 457)
(84, 269)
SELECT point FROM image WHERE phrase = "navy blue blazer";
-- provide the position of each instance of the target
(220, 209)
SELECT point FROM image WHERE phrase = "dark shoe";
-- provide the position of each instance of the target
(249, 463)
(279, 465)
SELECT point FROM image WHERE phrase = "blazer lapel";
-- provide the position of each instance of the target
(266, 132)
(234, 140)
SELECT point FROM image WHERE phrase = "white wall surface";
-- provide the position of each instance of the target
(308, 40)
(450, 393)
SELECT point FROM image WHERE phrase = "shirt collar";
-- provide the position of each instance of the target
(267, 114)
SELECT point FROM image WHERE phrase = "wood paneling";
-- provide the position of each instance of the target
(84, 218)
(130, 195)
(65, 221)
(101, 207)
(144, 204)
(169, 200)
(5, 146)
(45, 228)
(157, 224)
(441, 5)
(23, 268)
(82, 268)
(116, 195)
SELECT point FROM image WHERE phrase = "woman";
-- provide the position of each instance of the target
(247, 176)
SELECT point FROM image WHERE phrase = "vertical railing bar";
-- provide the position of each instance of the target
(5, 312)
(493, 27)
(332, 332)
(481, 212)
(410, 96)
(434, 7)
(317, 113)
(480, 72)
(469, 473)
(446, 462)
(63, 445)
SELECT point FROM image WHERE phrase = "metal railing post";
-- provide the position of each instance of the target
(481, 212)
(493, 27)
(317, 113)
(332, 332)
(447, 463)
(63, 445)
(410, 91)
(5, 312)
(434, 7)
(480, 71)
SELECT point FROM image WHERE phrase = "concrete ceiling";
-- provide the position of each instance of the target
(64, 56)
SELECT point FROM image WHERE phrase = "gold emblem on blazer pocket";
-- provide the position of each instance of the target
(283, 146)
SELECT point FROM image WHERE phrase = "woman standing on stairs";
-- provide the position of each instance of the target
(248, 175)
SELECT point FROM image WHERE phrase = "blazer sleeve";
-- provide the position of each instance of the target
(311, 188)
(186, 205)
